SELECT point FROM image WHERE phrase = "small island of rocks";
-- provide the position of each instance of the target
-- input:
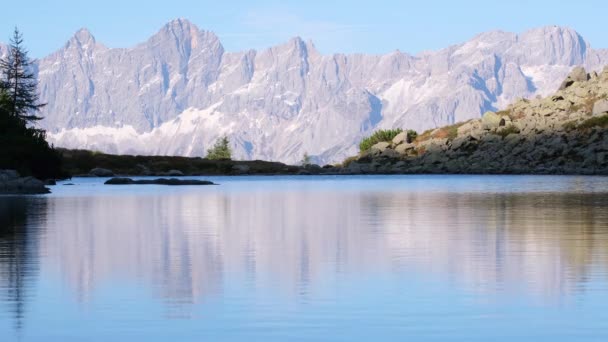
(158, 181)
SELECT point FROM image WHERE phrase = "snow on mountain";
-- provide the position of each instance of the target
(180, 90)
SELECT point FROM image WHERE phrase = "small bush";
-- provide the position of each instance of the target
(411, 135)
(221, 150)
(378, 136)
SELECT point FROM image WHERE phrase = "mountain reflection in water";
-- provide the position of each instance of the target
(191, 247)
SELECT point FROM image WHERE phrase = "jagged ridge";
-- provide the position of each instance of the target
(180, 90)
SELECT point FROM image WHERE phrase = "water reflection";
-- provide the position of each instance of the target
(191, 246)
(18, 253)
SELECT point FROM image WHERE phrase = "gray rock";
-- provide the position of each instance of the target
(158, 181)
(380, 147)
(403, 149)
(7, 175)
(27, 185)
(600, 107)
(400, 138)
(390, 153)
(578, 74)
(468, 127)
(490, 120)
(100, 172)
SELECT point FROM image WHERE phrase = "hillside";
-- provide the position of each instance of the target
(565, 133)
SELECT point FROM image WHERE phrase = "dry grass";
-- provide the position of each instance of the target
(348, 161)
(447, 132)
(596, 121)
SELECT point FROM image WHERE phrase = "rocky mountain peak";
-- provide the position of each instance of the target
(178, 91)
(553, 45)
(82, 38)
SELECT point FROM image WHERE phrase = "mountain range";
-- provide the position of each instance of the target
(177, 92)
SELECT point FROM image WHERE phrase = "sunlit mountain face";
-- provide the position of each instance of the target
(177, 92)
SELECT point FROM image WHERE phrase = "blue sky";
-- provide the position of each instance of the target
(334, 26)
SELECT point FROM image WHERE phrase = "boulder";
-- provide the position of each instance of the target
(380, 147)
(468, 127)
(600, 107)
(578, 74)
(158, 181)
(27, 185)
(490, 120)
(604, 74)
(8, 175)
(400, 138)
(100, 172)
(403, 149)
(390, 153)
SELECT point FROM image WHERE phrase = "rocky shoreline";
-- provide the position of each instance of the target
(565, 133)
(11, 183)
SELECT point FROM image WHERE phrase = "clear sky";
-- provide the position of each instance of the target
(334, 25)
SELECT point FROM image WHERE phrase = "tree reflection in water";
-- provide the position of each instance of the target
(19, 262)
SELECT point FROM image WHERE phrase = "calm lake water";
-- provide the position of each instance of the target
(380, 258)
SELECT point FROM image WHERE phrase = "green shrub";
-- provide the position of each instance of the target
(411, 136)
(378, 136)
(221, 150)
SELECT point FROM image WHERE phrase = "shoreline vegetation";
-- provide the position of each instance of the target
(565, 133)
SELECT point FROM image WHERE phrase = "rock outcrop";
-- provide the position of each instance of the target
(566, 133)
(101, 172)
(159, 181)
(11, 183)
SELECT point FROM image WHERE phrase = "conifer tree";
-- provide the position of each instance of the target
(221, 149)
(19, 83)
